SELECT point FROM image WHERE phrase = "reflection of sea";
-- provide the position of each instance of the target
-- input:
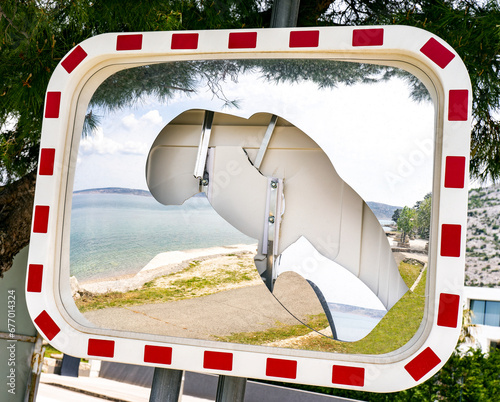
(353, 322)
(117, 234)
(386, 224)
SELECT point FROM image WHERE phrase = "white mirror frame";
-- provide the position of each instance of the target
(91, 62)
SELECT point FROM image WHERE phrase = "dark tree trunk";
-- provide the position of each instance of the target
(16, 208)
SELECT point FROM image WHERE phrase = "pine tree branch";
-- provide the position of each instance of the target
(11, 23)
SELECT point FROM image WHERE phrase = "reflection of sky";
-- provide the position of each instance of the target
(378, 140)
(337, 284)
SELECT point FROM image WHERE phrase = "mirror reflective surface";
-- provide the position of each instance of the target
(346, 178)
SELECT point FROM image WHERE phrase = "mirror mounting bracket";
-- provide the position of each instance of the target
(200, 171)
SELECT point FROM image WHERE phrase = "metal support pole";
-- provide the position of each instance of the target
(230, 389)
(285, 13)
(166, 386)
(36, 369)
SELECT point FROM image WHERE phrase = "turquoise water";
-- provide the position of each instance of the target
(117, 234)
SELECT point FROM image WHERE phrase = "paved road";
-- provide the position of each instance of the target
(245, 309)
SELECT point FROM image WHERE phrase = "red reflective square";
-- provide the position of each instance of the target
(74, 59)
(185, 41)
(46, 164)
(458, 105)
(450, 240)
(47, 325)
(101, 347)
(449, 305)
(218, 361)
(348, 375)
(52, 105)
(454, 176)
(41, 220)
(304, 39)
(422, 364)
(437, 53)
(242, 40)
(35, 275)
(157, 354)
(129, 42)
(281, 368)
(368, 37)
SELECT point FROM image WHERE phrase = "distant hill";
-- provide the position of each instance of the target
(382, 211)
(121, 190)
(114, 190)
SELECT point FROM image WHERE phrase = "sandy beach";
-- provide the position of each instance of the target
(162, 264)
(175, 261)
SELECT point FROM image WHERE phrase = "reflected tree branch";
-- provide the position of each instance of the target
(164, 81)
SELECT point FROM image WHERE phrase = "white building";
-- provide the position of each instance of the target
(484, 303)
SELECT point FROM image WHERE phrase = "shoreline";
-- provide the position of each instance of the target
(174, 261)
(160, 265)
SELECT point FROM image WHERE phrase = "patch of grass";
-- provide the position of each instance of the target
(324, 344)
(409, 270)
(233, 276)
(397, 327)
(92, 301)
(279, 332)
(175, 289)
(49, 350)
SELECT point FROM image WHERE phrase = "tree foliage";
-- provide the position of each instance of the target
(35, 36)
(468, 375)
(396, 214)
(423, 209)
(416, 220)
(161, 81)
(407, 222)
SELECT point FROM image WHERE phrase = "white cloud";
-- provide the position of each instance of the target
(135, 148)
(100, 144)
(151, 118)
(129, 121)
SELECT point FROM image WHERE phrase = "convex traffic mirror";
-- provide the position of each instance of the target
(230, 213)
